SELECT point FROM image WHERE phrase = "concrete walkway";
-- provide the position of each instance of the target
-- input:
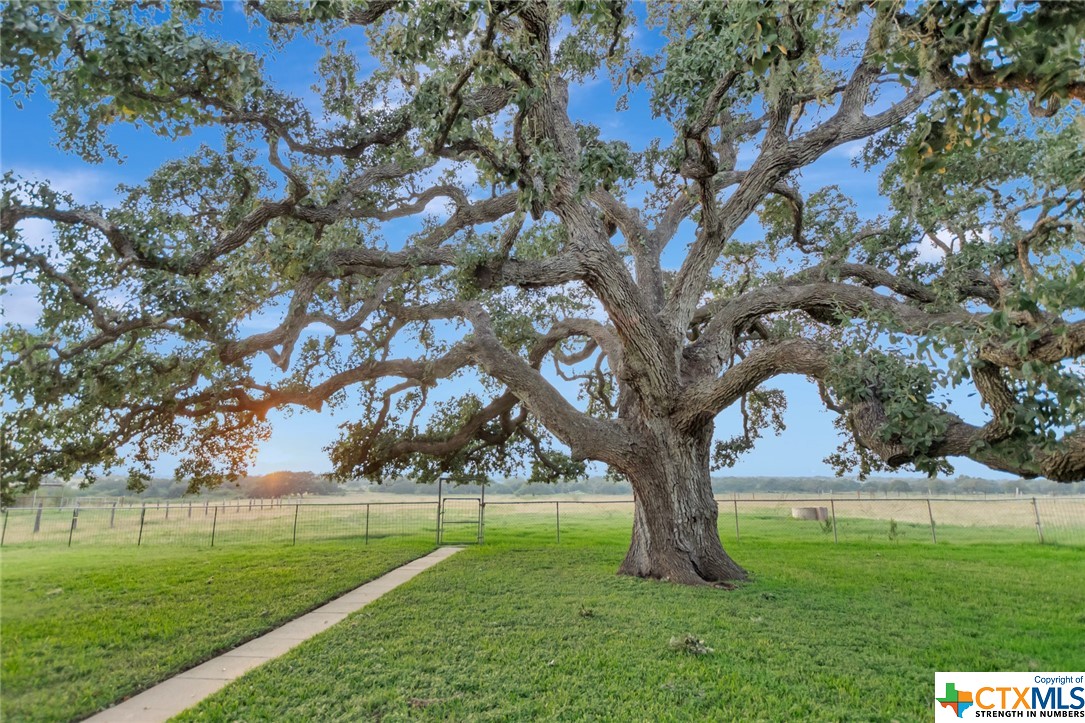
(170, 697)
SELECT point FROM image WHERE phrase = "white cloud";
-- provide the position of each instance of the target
(86, 185)
(37, 233)
(932, 250)
(19, 305)
(260, 321)
(929, 251)
(441, 207)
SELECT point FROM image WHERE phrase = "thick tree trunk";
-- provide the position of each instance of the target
(675, 536)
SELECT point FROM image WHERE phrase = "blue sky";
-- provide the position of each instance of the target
(27, 146)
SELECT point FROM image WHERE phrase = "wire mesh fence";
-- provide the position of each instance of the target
(992, 521)
(552, 521)
(217, 524)
(466, 520)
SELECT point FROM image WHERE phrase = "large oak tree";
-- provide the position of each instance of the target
(547, 263)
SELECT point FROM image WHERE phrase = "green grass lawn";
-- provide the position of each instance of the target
(521, 631)
(83, 628)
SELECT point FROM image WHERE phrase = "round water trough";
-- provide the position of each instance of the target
(810, 513)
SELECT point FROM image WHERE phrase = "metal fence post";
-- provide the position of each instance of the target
(75, 521)
(214, 525)
(37, 518)
(832, 506)
(4, 533)
(930, 514)
(190, 509)
(736, 518)
(440, 483)
(112, 515)
(142, 515)
(1039, 526)
(367, 523)
(297, 508)
(482, 515)
(557, 519)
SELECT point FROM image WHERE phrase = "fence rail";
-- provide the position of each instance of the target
(454, 520)
(248, 521)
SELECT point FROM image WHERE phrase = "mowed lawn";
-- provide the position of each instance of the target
(84, 628)
(514, 631)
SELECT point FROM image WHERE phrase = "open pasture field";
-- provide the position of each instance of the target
(222, 525)
(85, 627)
(1058, 520)
(515, 630)
(896, 521)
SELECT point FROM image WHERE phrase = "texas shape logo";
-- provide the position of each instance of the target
(956, 700)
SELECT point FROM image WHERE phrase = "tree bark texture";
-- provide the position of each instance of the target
(675, 533)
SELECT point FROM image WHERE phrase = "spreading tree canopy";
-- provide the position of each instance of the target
(548, 263)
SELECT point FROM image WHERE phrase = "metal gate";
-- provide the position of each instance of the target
(460, 521)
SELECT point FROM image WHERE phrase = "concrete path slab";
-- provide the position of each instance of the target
(167, 699)
(224, 667)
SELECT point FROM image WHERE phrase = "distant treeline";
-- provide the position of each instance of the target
(276, 484)
(727, 485)
(287, 484)
(916, 485)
